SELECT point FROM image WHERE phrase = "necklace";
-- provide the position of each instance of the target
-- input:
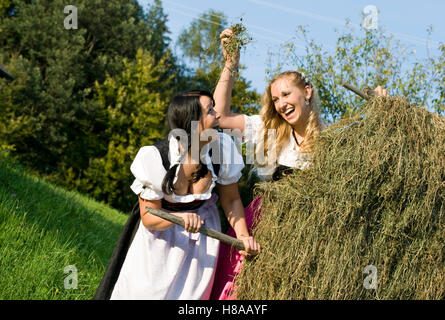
(296, 141)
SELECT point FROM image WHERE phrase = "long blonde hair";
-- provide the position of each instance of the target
(271, 119)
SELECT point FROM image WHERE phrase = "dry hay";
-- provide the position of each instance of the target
(239, 39)
(374, 196)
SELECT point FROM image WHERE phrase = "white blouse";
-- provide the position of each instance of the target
(149, 171)
(289, 156)
(173, 263)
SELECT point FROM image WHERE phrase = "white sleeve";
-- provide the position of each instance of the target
(252, 128)
(149, 172)
(232, 161)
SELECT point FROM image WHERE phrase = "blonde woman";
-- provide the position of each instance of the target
(289, 122)
(283, 136)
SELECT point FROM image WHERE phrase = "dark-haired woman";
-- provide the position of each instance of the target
(166, 261)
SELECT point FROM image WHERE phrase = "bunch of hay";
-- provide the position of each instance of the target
(239, 39)
(374, 196)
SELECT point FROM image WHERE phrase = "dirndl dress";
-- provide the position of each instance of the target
(170, 264)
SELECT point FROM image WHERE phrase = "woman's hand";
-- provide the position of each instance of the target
(379, 91)
(225, 37)
(192, 221)
(252, 247)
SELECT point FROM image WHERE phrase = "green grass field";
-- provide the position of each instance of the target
(45, 229)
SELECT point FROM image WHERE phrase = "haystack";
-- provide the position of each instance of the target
(366, 221)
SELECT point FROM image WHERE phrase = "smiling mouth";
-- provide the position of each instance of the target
(289, 112)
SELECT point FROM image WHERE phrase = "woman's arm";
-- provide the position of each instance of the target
(223, 91)
(234, 210)
(192, 221)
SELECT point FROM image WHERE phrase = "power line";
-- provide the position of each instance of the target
(308, 14)
(249, 26)
(221, 25)
(400, 36)
(299, 12)
(213, 22)
(215, 15)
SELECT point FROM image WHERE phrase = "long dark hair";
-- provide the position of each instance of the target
(183, 109)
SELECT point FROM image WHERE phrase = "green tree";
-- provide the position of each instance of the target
(135, 103)
(64, 120)
(200, 41)
(4, 5)
(200, 44)
(54, 116)
(438, 71)
(43, 92)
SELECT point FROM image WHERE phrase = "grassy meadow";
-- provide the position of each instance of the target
(45, 229)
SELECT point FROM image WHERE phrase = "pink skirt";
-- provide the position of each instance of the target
(230, 260)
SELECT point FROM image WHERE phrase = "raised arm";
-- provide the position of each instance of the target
(223, 91)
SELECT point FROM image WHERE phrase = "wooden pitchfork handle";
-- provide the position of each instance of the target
(204, 230)
(366, 94)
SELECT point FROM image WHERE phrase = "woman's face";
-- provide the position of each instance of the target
(209, 117)
(289, 101)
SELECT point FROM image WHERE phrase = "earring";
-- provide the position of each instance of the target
(306, 102)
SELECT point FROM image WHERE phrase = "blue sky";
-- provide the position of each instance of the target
(271, 23)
